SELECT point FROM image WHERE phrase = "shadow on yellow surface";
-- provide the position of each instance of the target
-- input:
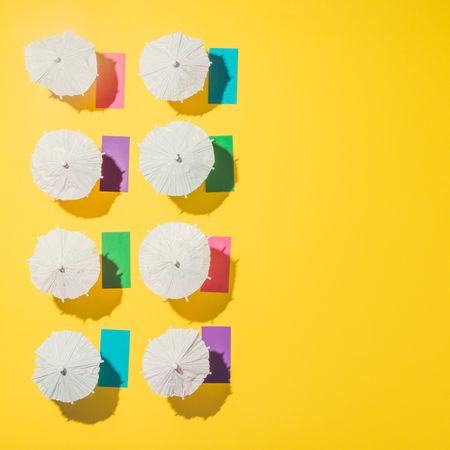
(197, 105)
(205, 306)
(94, 408)
(87, 102)
(200, 201)
(97, 204)
(205, 402)
(99, 303)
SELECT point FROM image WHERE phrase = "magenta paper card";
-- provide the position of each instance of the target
(218, 339)
(115, 165)
(219, 270)
(110, 85)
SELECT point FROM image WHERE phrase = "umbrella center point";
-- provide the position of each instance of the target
(178, 158)
(177, 264)
(62, 370)
(61, 269)
(175, 63)
(177, 368)
(57, 59)
(66, 165)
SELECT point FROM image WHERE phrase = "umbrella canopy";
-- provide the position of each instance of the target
(64, 264)
(176, 158)
(176, 363)
(174, 259)
(66, 164)
(174, 67)
(67, 366)
(65, 64)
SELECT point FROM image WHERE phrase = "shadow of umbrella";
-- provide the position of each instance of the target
(100, 302)
(206, 306)
(95, 407)
(87, 102)
(200, 201)
(220, 372)
(198, 105)
(97, 203)
(221, 79)
(205, 402)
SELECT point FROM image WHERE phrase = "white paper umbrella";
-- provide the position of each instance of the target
(176, 158)
(174, 67)
(176, 363)
(65, 64)
(174, 260)
(67, 366)
(64, 264)
(66, 164)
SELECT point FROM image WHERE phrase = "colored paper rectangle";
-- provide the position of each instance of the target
(115, 352)
(218, 339)
(116, 271)
(115, 165)
(223, 74)
(219, 269)
(221, 179)
(110, 85)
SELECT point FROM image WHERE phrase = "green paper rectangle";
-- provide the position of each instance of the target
(221, 179)
(116, 271)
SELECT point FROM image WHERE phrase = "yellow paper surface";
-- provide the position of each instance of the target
(340, 223)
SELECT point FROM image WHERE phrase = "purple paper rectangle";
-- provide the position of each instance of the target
(218, 339)
(115, 166)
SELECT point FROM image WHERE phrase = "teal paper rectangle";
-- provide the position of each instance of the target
(223, 75)
(115, 352)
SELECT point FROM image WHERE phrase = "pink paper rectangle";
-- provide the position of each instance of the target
(219, 270)
(110, 86)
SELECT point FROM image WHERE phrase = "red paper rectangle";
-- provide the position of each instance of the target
(219, 270)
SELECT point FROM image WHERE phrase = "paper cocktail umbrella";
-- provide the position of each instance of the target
(66, 164)
(67, 366)
(174, 67)
(65, 64)
(176, 158)
(176, 363)
(174, 260)
(64, 264)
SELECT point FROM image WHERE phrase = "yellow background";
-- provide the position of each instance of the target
(340, 222)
